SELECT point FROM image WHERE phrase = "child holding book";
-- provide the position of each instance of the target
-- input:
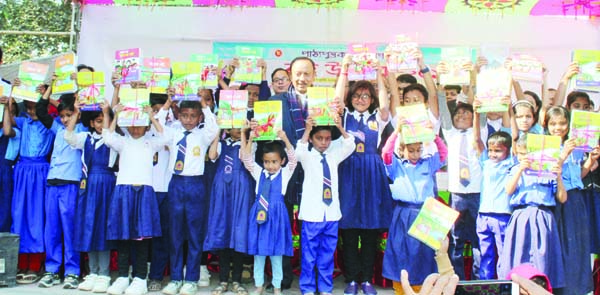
(133, 216)
(320, 207)
(532, 234)
(413, 176)
(269, 230)
(230, 202)
(10, 140)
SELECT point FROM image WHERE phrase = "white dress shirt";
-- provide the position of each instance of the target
(453, 138)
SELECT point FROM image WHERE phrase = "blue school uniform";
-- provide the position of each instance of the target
(494, 214)
(230, 201)
(95, 193)
(532, 234)
(9, 149)
(413, 184)
(573, 224)
(591, 183)
(30, 175)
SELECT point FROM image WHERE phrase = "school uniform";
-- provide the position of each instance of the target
(494, 213)
(320, 211)
(413, 183)
(531, 235)
(591, 183)
(365, 198)
(574, 226)
(9, 150)
(187, 208)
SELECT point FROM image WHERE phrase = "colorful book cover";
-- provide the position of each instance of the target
(133, 118)
(64, 66)
(248, 71)
(526, 68)
(543, 152)
(209, 64)
(493, 85)
(5, 88)
(268, 115)
(134, 100)
(434, 221)
(585, 128)
(456, 58)
(31, 75)
(91, 92)
(128, 65)
(186, 80)
(156, 73)
(364, 58)
(1, 112)
(233, 108)
(320, 104)
(402, 57)
(588, 78)
(418, 127)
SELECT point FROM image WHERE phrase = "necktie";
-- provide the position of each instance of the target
(361, 123)
(181, 149)
(326, 181)
(463, 161)
(263, 200)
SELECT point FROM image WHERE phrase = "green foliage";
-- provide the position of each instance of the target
(33, 15)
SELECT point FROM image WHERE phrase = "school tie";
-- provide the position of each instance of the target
(326, 181)
(263, 200)
(463, 161)
(181, 148)
(361, 123)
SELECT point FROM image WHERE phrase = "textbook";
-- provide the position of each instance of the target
(233, 108)
(31, 75)
(526, 68)
(364, 59)
(156, 73)
(585, 128)
(543, 151)
(64, 66)
(418, 127)
(186, 80)
(128, 65)
(456, 58)
(91, 92)
(5, 88)
(433, 223)
(492, 86)
(401, 57)
(209, 64)
(268, 115)
(134, 100)
(588, 78)
(248, 71)
(320, 100)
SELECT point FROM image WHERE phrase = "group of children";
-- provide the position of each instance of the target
(181, 179)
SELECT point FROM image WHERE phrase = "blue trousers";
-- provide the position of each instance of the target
(490, 230)
(319, 240)
(187, 214)
(59, 229)
(160, 245)
(464, 229)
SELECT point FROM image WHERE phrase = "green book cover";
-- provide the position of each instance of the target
(268, 116)
(186, 80)
(209, 65)
(433, 223)
(418, 127)
(320, 100)
(31, 75)
(91, 92)
(543, 152)
(588, 78)
(585, 128)
(233, 107)
(156, 73)
(64, 66)
(248, 71)
(492, 86)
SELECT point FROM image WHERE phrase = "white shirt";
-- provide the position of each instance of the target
(161, 174)
(453, 138)
(312, 208)
(197, 142)
(135, 163)
(286, 172)
(77, 140)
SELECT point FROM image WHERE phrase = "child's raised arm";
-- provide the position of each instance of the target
(429, 84)
(561, 90)
(157, 126)
(41, 107)
(342, 81)
(561, 192)
(387, 153)
(310, 123)
(7, 126)
(289, 150)
(213, 154)
(591, 163)
(384, 106)
(479, 146)
(73, 120)
(513, 182)
(115, 82)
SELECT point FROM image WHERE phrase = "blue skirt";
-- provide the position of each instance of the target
(6, 194)
(532, 237)
(228, 213)
(92, 211)
(405, 252)
(593, 205)
(365, 197)
(274, 237)
(133, 213)
(28, 203)
(574, 231)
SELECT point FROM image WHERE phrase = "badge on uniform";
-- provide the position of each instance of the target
(155, 159)
(179, 166)
(327, 194)
(83, 184)
(196, 151)
(228, 169)
(373, 125)
(261, 216)
(360, 148)
(464, 173)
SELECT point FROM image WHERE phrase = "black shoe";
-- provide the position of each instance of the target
(71, 282)
(286, 286)
(269, 288)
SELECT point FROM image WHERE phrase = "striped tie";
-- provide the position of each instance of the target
(263, 200)
(326, 181)
(181, 149)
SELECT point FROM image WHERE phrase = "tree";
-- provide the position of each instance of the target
(33, 15)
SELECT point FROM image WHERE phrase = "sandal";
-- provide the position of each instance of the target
(29, 278)
(220, 289)
(240, 289)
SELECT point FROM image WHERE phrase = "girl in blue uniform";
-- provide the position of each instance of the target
(28, 202)
(230, 202)
(95, 192)
(9, 149)
(365, 198)
(269, 231)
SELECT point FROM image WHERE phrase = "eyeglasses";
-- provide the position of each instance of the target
(364, 96)
(281, 80)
